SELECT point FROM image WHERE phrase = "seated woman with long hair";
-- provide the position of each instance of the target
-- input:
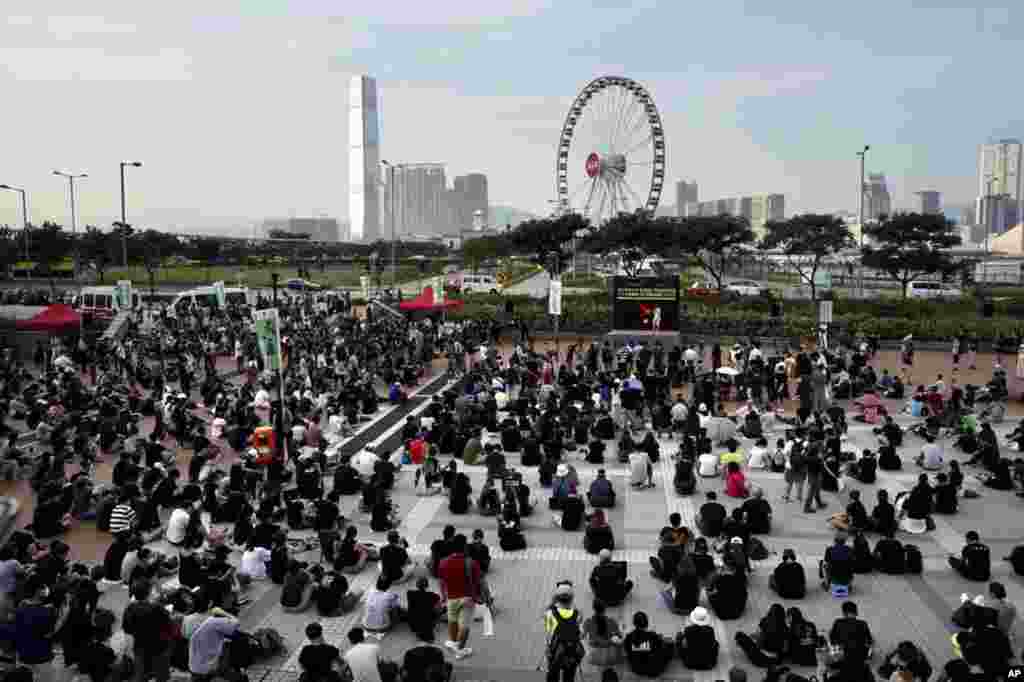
(603, 637)
(598, 534)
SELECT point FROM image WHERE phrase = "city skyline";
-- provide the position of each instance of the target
(236, 115)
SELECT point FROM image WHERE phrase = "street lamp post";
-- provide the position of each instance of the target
(860, 213)
(71, 177)
(990, 216)
(124, 219)
(24, 213)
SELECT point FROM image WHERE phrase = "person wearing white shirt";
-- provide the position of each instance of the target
(707, 465)
(177, 525)
(759, 458)
(931, 457)
(641, 470)
(363, 658)
(254, 562)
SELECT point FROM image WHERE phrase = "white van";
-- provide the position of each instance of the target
(469, 283)
(207, 297)
(933, 290)
(99, 302)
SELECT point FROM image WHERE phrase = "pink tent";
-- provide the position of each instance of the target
(425, 301)
(55, 319)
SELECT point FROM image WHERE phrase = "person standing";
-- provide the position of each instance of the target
(562, 624)
(814, 466)
(460, 586)
(150, 627)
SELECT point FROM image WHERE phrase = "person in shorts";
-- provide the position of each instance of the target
(460, 586)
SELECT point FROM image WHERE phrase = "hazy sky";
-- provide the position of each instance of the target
(238, 109)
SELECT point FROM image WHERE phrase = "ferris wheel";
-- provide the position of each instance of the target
(611, 152)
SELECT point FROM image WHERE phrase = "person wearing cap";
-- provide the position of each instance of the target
(601, 493)
(696, 644)
(608, 582)
(788, 580)
(562, 487)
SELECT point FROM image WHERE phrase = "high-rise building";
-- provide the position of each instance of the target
(686, 196)
(420, 199)
(469, 196)
(877, 201)
(929, 202)
(363, 160)
(758, 209)
(1000, 185)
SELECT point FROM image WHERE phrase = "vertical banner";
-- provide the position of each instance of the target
(268, 336)
(555, 297)
(364, 283)
(218, 290)
(437, 284)
(123, 295)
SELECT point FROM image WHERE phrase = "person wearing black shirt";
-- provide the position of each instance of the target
(711, 516)
(853, 635)
(663, 566)
(856, 514)
(727, 594)
(148, 623)
(441, 548)
(478, 551)
(946, 500)
(607, 582)
(883, 516)
(974, 562)
(890, 557)
(702, 560)
(647, 652)
(394, 559)
(425, 608)
(837, 566)
(318, 658)
(265, 531)
(735, 527)
(788, 580)
(757, 512)
(696, 644)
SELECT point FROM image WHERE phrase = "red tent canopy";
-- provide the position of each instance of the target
(425, 301)
(56, 318)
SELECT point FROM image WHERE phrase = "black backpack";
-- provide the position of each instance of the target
(1016, 559)
(915, 561)
(572, 514)
(863, 562)
(565, 648)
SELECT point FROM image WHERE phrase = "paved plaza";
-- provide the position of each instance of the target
(896, 607)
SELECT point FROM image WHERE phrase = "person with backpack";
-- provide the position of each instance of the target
(565, 638)
(796, 471)
(974, 562)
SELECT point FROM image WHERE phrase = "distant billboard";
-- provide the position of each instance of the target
(645, 304)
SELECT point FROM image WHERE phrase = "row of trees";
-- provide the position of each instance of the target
(906, 246)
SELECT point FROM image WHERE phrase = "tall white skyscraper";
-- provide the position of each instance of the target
(1000, 185)
(364, 174)
(877, 201)
(686, 197)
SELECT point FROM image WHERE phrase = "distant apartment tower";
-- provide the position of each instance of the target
(469, 196)
(758, 209)
(363, 160)
(929, 202)
(686, 198)
(420, 199)
(877, 201)
(1000, 185)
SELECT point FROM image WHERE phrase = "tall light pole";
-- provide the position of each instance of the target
(860, 212)
(74, 215)
(990, 216)
(24, 213)
(124, 219)
(391, 209)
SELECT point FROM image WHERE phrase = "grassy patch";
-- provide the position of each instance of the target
(253, 276)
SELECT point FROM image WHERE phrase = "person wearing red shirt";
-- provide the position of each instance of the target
(460, 586)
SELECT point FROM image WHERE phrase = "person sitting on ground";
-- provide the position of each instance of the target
(318, 658)
(685, 592)
(703, 561)
(608, 582)
(362, 658)
(479, 551)
(757, 513)
(561, 488)
(852, 635)
(603, 637)
(711, 516)
(788, 580)
(461, 490)
(866, 469)
(425, 609)
(735, 526)
(888, 460)
(696, 644)
(773, 632)
(641, 470)
(334, 597)
(440, 548)
(708, 465)
(395, 563)
(352, 555)
(906, 658)
(1000, 478)
(889, 555)
(736, 484)
(489, 503)
(510, 529)
(680, 533)
(601, 493)
(931, 458)
(299, 587)
(663, 566)
(647, 652)
(883, 516)
(974, 562)
(727, 593)
(760, 458)
(856, 515)
(598, 534)
(837, 566)
(946, 498)
(383, 607)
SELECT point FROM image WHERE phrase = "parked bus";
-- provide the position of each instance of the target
(207, 297)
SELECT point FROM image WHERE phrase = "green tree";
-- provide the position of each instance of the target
(148, 249)
(51, 245)
(806, 241)
(476, 251)
(633, 237)
(713, 241)
(206, 249)
(9, 243)
(548, 241)
(911, 245)
(100, 249)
